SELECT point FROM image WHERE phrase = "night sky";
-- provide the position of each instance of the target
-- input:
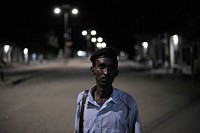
(118, 22)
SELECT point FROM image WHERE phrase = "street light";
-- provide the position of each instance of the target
(7, 53)
(145, 47)
(66, 9)
(25, 55)
(99, 42)
(174, 40)
(88, 35)
(6, 48)
(99, 39)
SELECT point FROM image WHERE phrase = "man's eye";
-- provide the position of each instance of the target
(102, 66)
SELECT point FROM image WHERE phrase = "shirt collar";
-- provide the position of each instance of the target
(113, 98)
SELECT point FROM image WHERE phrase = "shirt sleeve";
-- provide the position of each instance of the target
(133, 115)
(77, 114)
(137, 123)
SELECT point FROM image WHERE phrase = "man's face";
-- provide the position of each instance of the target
(105, 70)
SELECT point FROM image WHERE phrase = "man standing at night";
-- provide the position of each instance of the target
(107, 109)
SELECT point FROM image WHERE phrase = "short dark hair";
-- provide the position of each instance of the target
(104, 52)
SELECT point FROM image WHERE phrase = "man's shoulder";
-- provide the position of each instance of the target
(127, 99)
(80, 96)
(123, 94)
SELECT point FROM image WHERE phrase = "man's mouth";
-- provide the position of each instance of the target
(104, 79)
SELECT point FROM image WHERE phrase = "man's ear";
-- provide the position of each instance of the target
(92, 70)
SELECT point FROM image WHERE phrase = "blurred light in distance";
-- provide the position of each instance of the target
(34, 56)
(93, 39)
(103, 44)
(84, 33)
(175, 39)
(93, 32)
(145, 45)
(75, 11)
(122, 53)
(6, 48)
(25, 50)
(57, 10)
(98, 45)
(99, 39)
(81, 53)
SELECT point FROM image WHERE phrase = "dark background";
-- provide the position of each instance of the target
(118, 22)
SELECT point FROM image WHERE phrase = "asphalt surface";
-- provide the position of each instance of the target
(18, 72)
(41, 97)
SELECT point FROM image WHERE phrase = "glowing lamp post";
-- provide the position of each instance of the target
(7, 53)
(99, 42)
(173, 48)
(145, 47)
(25, 55)
(88, 35)
(66, 9)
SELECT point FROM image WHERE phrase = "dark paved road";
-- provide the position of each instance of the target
(45, 100)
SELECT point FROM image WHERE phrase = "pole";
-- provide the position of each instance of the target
(67, 32)
(171, 52)
(66, 14)
(65, 36)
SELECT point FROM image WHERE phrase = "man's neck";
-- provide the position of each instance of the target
(103, 92)
(100, 95)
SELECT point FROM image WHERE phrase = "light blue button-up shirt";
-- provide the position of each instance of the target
(119, 114)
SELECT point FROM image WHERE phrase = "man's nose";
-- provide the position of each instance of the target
(105, 70)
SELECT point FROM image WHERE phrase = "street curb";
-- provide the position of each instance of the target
(13, 82)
